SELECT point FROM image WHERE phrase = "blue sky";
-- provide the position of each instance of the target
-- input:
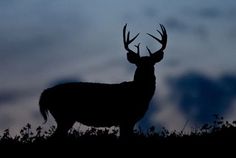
(43, 43)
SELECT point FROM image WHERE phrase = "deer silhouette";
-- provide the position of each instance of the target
(106, 105)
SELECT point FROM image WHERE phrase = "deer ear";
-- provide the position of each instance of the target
(133, 57)
(157, 57)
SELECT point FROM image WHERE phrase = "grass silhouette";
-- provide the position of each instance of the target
(216, 133)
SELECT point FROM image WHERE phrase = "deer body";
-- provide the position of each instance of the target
(103, 105)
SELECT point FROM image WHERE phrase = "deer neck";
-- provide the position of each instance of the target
(145, 85)
(145, 79)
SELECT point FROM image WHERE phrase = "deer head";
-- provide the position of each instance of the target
(145, 64)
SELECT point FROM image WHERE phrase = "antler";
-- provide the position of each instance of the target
(127, 41)
(163, 40)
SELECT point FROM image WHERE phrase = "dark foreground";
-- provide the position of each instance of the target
(219, 133)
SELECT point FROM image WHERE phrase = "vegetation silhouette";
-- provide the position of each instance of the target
(106, 105)
(219, 132)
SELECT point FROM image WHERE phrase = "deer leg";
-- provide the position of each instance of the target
(126, 130)
(62, 128)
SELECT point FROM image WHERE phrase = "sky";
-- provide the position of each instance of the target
(44, 43)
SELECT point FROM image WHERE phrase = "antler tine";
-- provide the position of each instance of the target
(127, 39)
(138, 49)
(124, 38)
(149, 51)
(130, 41)
(155, 37)
(163, 29)
(163, 39)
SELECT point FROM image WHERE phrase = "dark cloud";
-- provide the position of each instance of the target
(64, 80)
(150, 12)
(181, 26)
(5, 120)
(27, 27)
(206, 12)
(7, 3)
(200, 96)
(201, 31)
(176, 24)
(231, 12)
(14, 95)
(209, 12)
(8, 96)
(25, 46)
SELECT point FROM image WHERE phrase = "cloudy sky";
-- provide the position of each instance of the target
(43, 43)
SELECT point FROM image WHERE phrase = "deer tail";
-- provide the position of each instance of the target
(43, 105)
